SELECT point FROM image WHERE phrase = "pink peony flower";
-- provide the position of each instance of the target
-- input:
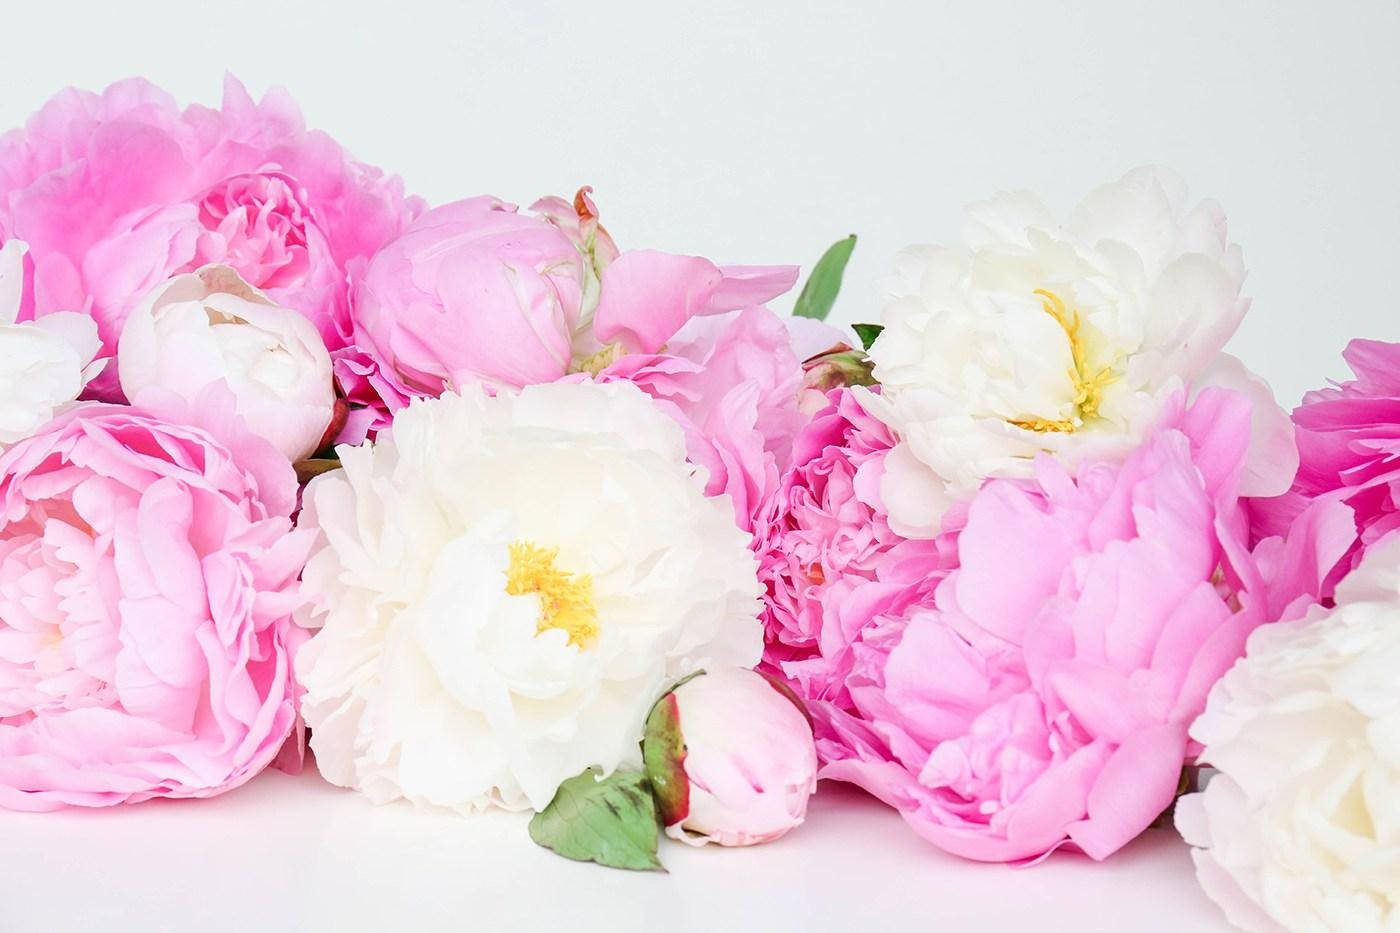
(147, 580)
(476, 291)
(117, 192)
(827, 555)
(732, 382)
(1348, 442)
(1044, 698)
(473, 291)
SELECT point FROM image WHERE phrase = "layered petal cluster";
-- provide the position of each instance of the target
(117, 192)
(733, 383)
(1036, 336)
(828, 558)
(44, 364)
(504, 585)
(1045, 698)
(147, 583)
(1348, 444)
(1300, 828)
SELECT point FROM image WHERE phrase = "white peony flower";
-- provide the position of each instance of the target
(1300, 829)
(211, 325)
(1036, 336)
(505, 585)
(44, 364)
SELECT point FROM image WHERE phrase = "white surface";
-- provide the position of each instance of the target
(295, 855)
(749, 132)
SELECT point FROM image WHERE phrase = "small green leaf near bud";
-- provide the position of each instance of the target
(867, 333)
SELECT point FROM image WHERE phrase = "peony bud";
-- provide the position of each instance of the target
(211, 325)
(838, 367)
(731, 759)
(473, 291)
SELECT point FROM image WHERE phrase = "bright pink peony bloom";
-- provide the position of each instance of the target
(1348, 444)
(732, 382)
(1044, 700)
(146, 585)
(117, 192)
(828, 558)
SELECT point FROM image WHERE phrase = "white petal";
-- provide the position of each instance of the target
(11, 279)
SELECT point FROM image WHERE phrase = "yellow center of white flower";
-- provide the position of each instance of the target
(566, 600)
(1088, 384)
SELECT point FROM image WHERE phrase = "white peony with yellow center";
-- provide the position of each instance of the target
(503, 587)
(1067, 338)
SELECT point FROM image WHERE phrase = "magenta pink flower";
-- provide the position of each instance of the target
(1349, 451)
(828, 558)
(1044, 698)
(732, 382)
(118, 191)
(147, 579)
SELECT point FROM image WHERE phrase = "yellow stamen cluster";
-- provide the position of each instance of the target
(1088, 384)
(595, 363)
(566, 600)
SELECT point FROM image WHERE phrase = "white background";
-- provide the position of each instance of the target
(747, 132)
(752, 131)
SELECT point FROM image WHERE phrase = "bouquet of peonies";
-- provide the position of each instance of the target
(490, 512)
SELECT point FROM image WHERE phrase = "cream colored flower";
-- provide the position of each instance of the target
(1300, 829)
(505, 585)
(211, 325)
(1037, 336)
(44, 364)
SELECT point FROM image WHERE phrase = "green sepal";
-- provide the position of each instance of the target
(867, 333)
(663, 757)
(307, 470)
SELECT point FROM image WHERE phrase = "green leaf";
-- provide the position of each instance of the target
(663, 756)
(819, 294)
(611, 822)
(867, 333)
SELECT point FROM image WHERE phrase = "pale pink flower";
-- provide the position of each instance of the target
(473, 291)
(1044, 698)
(147, 581)
(479, 292)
